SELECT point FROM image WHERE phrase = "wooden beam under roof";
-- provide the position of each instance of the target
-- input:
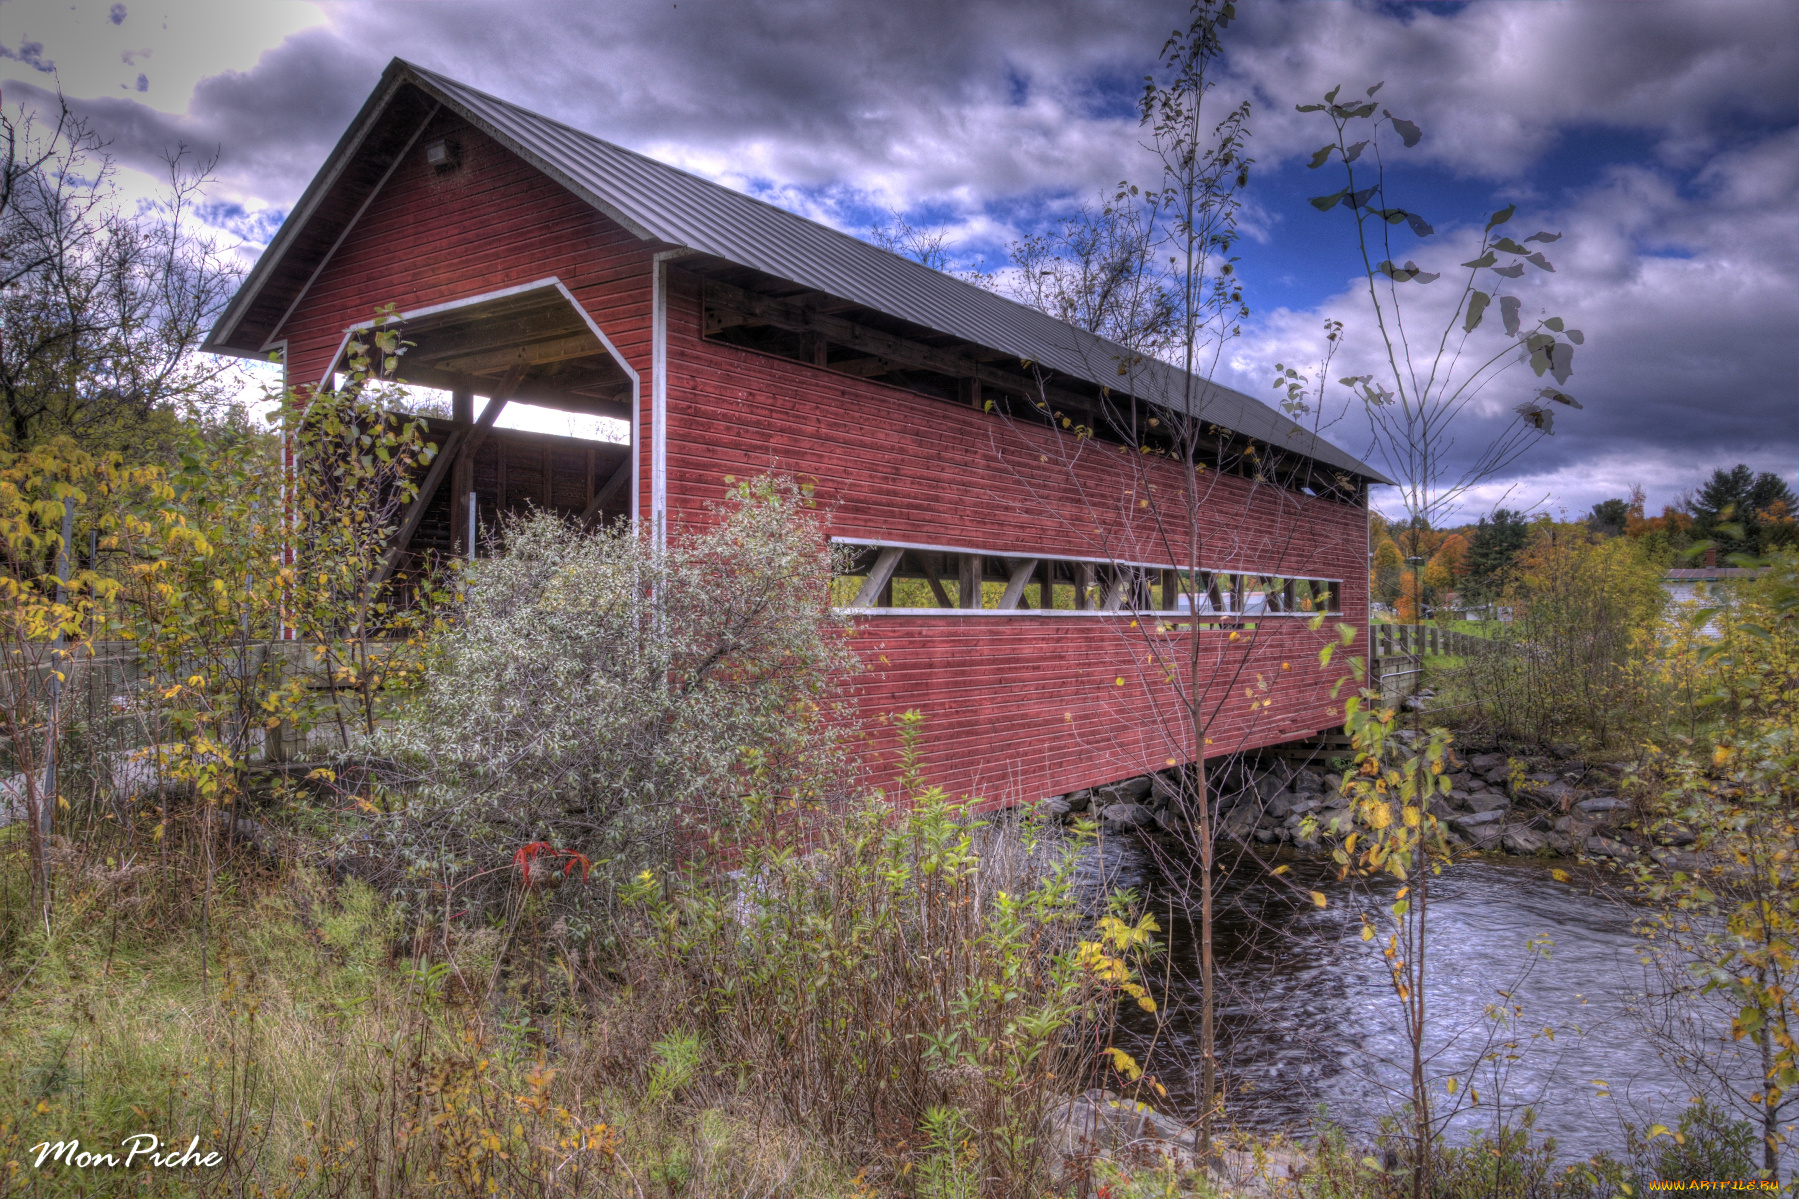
(481, 362)
(737, 306)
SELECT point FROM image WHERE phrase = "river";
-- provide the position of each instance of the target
(1307, 1016)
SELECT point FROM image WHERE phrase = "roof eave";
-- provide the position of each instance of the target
(218, 341)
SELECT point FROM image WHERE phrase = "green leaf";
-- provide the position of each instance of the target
(1554, 324)
(1326, 203)
(1502, 216)
(1559, 397)
(1510, 272)
(1330, 97)
(1577, 337)
(1307, 107)
(1377, 87)
(1537, 260)
(1477, 308)
(1323, 154)
(1354, 152)
(1508, 311)
(1487, 259)
(1409, 133)
(1543, 237)
(1561, 361)
(1410, 272)
(1537, 415)
(1506, 245)
(1420, 226)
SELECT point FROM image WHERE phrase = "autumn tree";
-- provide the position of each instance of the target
(102, 304)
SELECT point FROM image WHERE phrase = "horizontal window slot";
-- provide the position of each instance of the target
(885, 578)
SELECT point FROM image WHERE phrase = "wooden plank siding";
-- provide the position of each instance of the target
(1017, 706)
(491, 224)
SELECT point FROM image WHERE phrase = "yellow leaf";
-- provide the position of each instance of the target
(1124, 1063)
(1367, 932)
(1119, 681)
(1146, 1003)
(1451, 1084)
(1318, 898)
(1279, 870)
(1559, 875)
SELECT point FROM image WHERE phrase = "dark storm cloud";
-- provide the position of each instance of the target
(1679, 259)
(272, 125)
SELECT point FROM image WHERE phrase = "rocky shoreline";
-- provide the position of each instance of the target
(1532, 803)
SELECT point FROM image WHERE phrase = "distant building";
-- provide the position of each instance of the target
(1708, 584)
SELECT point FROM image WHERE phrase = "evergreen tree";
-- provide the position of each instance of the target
(1744, 512)
(1491, 550)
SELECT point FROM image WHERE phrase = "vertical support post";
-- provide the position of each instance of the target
(659, 399)
(462, 473)
(818, 350)
(968, 581)
(471, 526)
(968, 390)
(1083, 587)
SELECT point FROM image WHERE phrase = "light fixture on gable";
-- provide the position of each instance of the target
(443, 154)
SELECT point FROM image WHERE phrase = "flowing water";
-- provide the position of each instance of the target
(1307, 1015)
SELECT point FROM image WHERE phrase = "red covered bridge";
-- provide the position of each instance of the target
(1018, 578)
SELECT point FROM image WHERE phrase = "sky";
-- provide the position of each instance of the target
(1660, 140)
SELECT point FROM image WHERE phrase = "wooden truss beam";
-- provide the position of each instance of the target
(878, 578)
(739, 307)
(415, 511)
(1021, 571)
(611, 487)
(937, 588)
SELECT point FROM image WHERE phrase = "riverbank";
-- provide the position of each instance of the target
(1546, 803)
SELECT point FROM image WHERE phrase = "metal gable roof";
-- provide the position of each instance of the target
(660, 202)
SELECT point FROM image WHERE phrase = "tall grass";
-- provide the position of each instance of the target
(896, 999)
